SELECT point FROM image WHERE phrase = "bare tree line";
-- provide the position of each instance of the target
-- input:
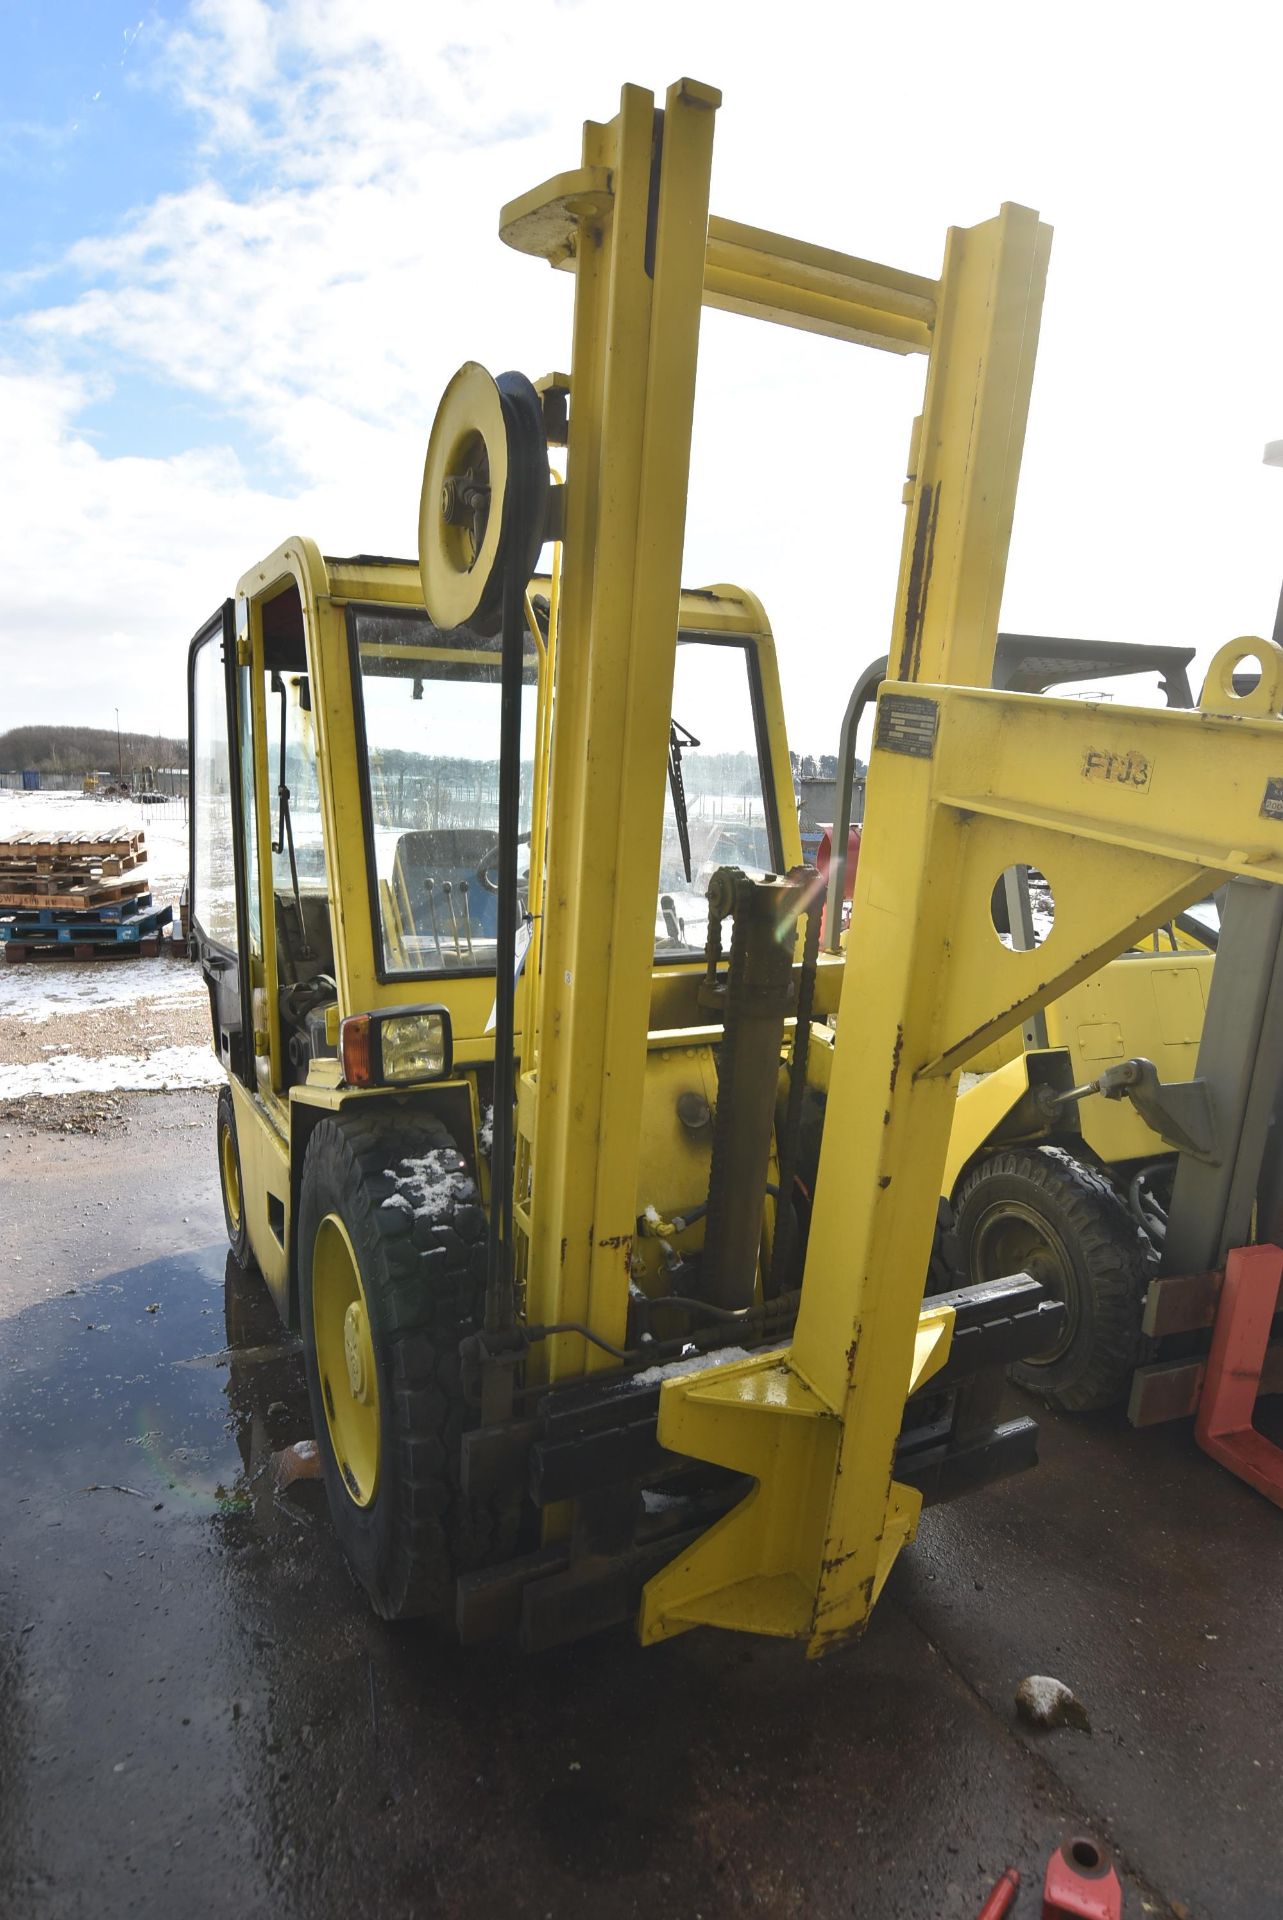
(78, 750)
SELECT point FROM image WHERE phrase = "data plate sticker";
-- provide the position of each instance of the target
(907, 724)
(1272, 805)
(1121, 769)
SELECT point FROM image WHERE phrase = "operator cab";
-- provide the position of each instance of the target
(345, 755)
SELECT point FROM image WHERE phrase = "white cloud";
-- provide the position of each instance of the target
(336, 257)
(112, 564)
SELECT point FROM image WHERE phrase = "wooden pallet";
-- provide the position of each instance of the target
(24, 846)
(48, 871)
(55, 913)
(85, 898)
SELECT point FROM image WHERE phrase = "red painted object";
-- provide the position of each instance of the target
(1249, 1299)
(824, 853)
(1000, 1900)
(1081, 1883)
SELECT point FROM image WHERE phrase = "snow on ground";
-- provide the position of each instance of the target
(37, 990)
(94, 1026)
(159, 1071)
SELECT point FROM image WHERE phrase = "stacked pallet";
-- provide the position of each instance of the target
(82, 895)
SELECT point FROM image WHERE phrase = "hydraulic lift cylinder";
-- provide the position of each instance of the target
(754, 1001)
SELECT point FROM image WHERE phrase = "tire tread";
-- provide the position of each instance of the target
(1091, 1217)
(429, 1297)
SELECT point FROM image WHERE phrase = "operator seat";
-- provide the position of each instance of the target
(440, 854)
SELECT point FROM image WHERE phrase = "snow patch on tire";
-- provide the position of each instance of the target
(430, 1186)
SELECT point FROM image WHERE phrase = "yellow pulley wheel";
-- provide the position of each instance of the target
(483, 506)
(465, 478)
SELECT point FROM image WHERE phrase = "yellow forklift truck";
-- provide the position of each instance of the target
(505, 1127)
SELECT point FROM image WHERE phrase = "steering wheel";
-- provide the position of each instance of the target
(489, 862)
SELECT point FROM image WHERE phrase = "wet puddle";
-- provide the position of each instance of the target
(172, 1382)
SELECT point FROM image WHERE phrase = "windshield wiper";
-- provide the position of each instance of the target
(679, 737)
(285, 832)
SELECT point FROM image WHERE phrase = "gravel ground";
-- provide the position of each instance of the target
(60, 1113)
(137, 1028)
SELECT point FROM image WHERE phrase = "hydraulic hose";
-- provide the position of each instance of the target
(524, 514)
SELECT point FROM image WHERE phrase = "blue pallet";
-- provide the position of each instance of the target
(42, 929)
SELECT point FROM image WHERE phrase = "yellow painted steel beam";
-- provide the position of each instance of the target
(547, 1114)
(964, 460)
(639, 266)
(747, 269)
(1131, 813)
(795, 284)
(978, 324)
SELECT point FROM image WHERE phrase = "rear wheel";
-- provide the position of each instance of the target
(1040, 1211)
(230, 1181)
(391, 1252)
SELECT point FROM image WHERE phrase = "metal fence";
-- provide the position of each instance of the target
(173, 808)
(48, 782)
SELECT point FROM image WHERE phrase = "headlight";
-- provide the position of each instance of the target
(396, 1048)
(416, 1046)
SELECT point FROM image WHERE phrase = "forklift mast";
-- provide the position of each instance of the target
(806, 1551)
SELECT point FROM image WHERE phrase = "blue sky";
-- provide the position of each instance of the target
(89, 132)
(83, 135)
(245, 243)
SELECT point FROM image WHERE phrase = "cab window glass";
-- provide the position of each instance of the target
(213, 865)
(431, 709)
(304, 943)
(715, 805)
(296, 822)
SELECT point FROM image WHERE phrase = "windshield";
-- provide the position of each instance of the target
(430, 705)
(716, 810)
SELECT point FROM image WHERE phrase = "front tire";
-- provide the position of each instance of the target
(391, 1252)
(1040, 1211)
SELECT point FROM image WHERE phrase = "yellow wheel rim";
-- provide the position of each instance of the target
(345, 1360)
(231, 1177)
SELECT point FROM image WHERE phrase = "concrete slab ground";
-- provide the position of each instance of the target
(198, 1715)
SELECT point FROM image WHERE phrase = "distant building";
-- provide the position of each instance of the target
(817, 801)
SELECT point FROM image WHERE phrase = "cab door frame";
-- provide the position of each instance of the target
(226, 974)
